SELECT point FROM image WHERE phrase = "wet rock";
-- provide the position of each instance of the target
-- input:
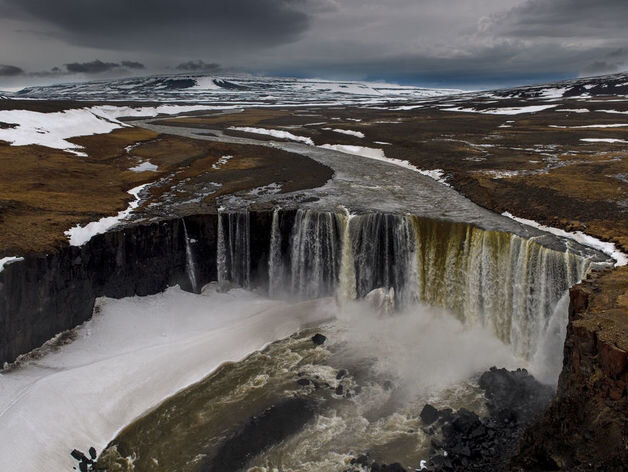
(471, 443)
(303, 382)
(341, 373)
(362, 460)
(429, 414)
(396, 467)
(78, 455)
(465, 421)
(339, 390)
(319, 339)
(272, 426)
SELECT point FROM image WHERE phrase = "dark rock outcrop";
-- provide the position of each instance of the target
(469, 443)
(319, 339)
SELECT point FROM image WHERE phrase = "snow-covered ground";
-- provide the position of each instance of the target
(132, 355)
(614, 125)
(275, 133)
(145, 166)
(79, 235)
(621, 259)
(357, 134)
(54, 129)
(4, 261)
(502, 111)
(604, 140)
(221, 162)
(241, 88)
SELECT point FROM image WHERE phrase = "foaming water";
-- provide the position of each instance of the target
(368, 383)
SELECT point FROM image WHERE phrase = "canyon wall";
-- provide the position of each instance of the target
(586, 426)
(47, 294)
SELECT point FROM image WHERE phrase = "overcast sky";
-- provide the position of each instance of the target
(462, 43)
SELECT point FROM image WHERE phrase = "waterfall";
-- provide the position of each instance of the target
(346, 286)
(275, 263)
(499, 280)
(190, 266)
(383, 250)
(315, 253)
(234, 247)
(506, 283)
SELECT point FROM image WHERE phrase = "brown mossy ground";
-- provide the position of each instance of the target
(44, 192)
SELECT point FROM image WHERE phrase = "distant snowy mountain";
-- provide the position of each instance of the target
(616, 84)
(218, 89)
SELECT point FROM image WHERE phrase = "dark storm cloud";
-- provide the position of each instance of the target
(503, 64)
(94, 67)
(99, 67)
(414, 41)
(565, 18)
(133, 65)
(601, 67)
(170, 25)
(10, 71)
(198, 66)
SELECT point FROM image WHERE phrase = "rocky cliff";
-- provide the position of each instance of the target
(586, 426)
(47, 294)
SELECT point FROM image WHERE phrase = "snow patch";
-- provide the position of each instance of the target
(613, 111)
(554, 92)
(574, 110)
(5, 261)
(274, 133)
(603, 140)
(436, 174)
(270, 189)
(582, 238)
(349, 132)
(145, 166)
(80, 235)
(221, 162)
(503, 111)
(615, 125)
(54, 129)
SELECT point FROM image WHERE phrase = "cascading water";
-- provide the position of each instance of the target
(234, 249)
(275, 264)
(383, 249)
(315, 253)
(498, 280)
(190, 266)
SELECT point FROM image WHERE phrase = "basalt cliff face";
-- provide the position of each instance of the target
(47, 294)
(586, 426)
